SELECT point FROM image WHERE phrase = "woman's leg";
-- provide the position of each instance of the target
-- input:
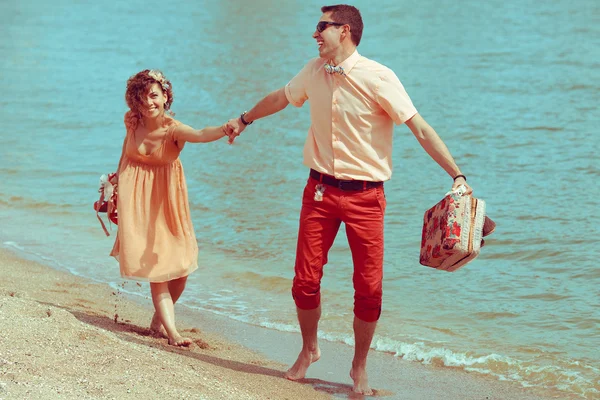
(163, 304)
(176, 287)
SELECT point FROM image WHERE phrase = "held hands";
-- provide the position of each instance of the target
(233, 128)
(229, 132)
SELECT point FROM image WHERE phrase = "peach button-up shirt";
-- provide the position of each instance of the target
(352, 117)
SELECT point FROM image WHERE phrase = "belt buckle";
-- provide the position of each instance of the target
(348, 183)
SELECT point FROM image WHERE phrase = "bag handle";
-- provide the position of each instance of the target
(107, 190)
(99, 204)
(461, 190)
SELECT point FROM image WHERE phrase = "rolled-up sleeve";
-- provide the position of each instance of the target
(295, 90)
(392, 97)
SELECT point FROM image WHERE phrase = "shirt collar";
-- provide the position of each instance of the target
(350, 62)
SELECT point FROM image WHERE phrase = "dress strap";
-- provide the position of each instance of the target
(173, 123)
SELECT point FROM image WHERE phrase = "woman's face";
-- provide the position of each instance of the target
(154, 104)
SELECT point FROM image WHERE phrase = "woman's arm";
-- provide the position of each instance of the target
(185, 133)
(122, 155)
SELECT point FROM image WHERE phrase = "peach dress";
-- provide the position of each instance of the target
(155, 239)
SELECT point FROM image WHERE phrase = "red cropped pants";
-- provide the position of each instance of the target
(362, 211)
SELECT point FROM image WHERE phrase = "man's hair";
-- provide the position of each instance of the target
(345, 14)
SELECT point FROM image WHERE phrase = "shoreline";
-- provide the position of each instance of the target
(62, 337)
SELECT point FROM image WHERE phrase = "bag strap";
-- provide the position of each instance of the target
(100, 201)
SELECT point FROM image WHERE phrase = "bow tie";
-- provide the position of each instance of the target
(332, 69)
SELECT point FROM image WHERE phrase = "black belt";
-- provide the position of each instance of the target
(343, 184)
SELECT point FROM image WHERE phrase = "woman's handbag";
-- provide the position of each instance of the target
(453, 231)
(107, 203)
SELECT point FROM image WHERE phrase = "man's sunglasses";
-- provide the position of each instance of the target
(322, 25)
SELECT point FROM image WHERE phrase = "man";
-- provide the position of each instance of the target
(354, 102)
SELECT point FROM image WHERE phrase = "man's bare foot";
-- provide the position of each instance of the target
(180, 341)
(305, 358)
(361, 381)
(157, 328)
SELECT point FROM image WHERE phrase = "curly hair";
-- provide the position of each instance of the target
(138, 86)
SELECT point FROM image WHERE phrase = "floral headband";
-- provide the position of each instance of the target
(160, 78)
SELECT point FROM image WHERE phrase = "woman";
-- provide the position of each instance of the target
(156, 241)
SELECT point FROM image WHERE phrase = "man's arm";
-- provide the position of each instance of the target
(435, 147)
(270, 104)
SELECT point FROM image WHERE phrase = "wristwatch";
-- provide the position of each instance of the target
(243, 120)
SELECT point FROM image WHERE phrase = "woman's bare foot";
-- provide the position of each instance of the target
(361, 380)
(180, 341)
(305, 358)
(157, 328)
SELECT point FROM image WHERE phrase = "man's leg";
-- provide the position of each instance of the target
(309, 323)
(364, 227)
(318, 227)
(363, 335)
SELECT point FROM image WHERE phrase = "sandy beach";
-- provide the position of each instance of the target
(60, 340)
(70, 338)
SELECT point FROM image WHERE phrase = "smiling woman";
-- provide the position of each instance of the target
(145, 85)
(156, 240)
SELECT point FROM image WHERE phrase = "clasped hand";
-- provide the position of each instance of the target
(233, 128)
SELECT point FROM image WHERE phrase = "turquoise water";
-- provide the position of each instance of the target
(512, 88)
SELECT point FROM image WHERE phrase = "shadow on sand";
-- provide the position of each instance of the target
(144, 336)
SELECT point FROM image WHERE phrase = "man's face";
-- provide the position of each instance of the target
(328, 34)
